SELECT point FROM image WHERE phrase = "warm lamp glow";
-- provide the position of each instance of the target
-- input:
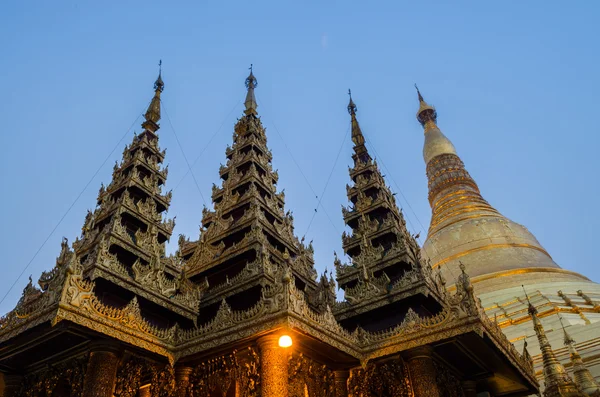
(285, 341)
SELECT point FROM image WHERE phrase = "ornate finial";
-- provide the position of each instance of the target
(531, 309)
(251, 81)
(568, 339)
(158, 84)
(250, 102)
(152, 115)
(419, 93)
(351, 106)
(426, 113)
(581, 374)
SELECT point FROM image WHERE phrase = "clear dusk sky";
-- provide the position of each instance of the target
(515, 84)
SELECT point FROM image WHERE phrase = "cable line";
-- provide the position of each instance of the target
(405, 199)
(72, 205)
(301, 172)
(183, 152)
(395, 184)
(328, 179)
(207, 144)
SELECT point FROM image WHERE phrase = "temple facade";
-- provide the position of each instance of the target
(240, 311)
(501, 256)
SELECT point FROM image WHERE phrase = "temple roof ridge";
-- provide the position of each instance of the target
(249, 214)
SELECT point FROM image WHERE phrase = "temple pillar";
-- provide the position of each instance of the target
(469, 388)
(144, 391)
(422, 372)
(101, 374)
(182, 380)
(341, 383)
(273, 367)
(9, 384)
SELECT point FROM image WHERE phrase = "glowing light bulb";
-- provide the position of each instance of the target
(285, 341)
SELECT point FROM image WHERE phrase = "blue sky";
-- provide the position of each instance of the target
(515, 85)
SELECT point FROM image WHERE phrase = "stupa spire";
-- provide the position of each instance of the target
(557, 381)
(426, 114)
(463, 224)
(152, 115)
(357, 136)
(250, 102)
(582, 375)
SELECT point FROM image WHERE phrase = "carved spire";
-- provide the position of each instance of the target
(357, 136)
(557, 381)
(152, 115)
(248, 225)
(384, 254)
(250, 102)
(123, 239)
(582, 375)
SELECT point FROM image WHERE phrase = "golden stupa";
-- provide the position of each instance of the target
(501, 255)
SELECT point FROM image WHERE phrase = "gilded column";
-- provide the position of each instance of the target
(182, 379)
(422, 372)
(469, 388)
(341, 383)
(10, 385)
(101, 373)
(273, 367)
(144, 391)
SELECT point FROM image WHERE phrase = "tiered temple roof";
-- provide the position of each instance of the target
(249, 233)
(116, 317)
(386, 273)
(122, 244)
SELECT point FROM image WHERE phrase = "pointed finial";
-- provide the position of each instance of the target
(251, 81)
(419, 94)
(426, 113)
(158, 84)
(568, 340)
(152, 115)
(250, 102)
(532, 310)
(351, 106)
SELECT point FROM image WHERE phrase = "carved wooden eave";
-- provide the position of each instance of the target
(361, 166)
(381, 297)
(177, 305)
(144, 143)
(346, 273)
(282, 307)
(125, 204)
(389, 225)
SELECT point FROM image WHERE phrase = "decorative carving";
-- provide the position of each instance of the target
(385, 379)
(220, 374)
(64, 379)
(316, 378)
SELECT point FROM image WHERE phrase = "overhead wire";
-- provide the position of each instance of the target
(327, 182)
(183, 152)
(207, 144)
(72, 205)
(405, 199)
(301, 172)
